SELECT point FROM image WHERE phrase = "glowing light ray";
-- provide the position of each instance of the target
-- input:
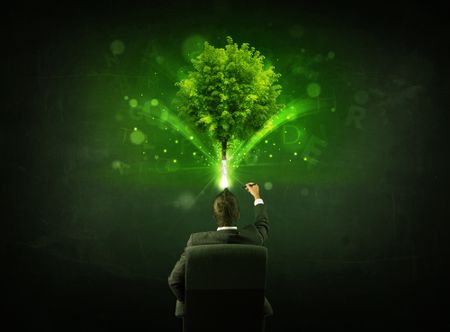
(224, 177)
(167, 117)
(295, 110)
(189, 134)
(204, 188)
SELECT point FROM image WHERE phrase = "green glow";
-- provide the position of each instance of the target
(160, 59)
(313, 90)
(224, 176)
(296, 108)
(133, 103)
(160, 114)
(137, 137)
(117, 47)
(193, 46)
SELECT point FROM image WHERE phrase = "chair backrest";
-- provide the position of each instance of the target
(225, 285)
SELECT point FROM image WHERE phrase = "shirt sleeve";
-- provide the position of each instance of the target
(258, 201)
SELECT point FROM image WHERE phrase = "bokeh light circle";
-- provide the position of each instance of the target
(313, 90)
(137, 137)
(117, 47)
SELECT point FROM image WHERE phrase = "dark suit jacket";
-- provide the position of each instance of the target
(255, 233)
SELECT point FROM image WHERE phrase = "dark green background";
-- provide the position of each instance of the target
(357, 240)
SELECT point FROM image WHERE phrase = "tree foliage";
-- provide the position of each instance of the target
(229, 93)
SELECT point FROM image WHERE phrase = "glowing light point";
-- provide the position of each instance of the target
(137, 137)
(175, 161)
(117, 47)
(165, 150)
(224, 179)
(176, 141)
(266, 141)
(305, 158)
(295, 153)
(270, 155)
(125, 97)
(313, 90)
(194, 153)
(133, 102)
(191, 137)
(154, 102)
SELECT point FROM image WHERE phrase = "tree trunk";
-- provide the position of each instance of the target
(224, 150)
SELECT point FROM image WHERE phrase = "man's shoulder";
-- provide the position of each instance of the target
(246, 234)
(201, 237)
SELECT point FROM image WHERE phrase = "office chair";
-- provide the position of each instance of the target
(225, 286)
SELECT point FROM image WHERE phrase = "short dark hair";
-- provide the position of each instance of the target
(226, 208)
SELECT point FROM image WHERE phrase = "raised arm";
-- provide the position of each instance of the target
(261, 218)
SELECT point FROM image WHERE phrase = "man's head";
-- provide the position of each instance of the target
(226, 209)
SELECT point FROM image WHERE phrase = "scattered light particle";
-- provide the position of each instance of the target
(266, 141)
(165, 150)
(176, 141)
(137, 137)
(154, 102)
(270, 156)
(194, 153)
(305, 159)
(133, 102)
(191, 137)
(313, 90)
(175, 161)
(125, 97)
(156, 157)
(295, 153)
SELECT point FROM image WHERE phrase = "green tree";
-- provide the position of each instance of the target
(229, 93)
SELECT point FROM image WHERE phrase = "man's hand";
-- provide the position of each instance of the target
(253, 189)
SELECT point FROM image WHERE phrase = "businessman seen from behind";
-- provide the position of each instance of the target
(226, 213)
